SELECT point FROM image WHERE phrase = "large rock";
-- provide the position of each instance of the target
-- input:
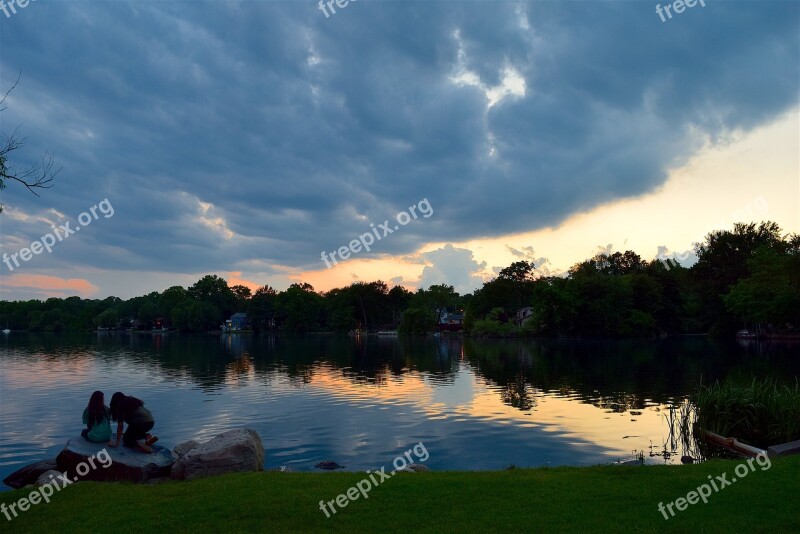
(182, 448)
(230, 452)
(120, 463)
(29, 474)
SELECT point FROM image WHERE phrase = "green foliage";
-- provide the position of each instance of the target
(366, 306)
(771, 294)
(616, 264)
(209, 302)
(262, 308)
(300, 307)
(749, 276)
(417, 321)
(598, 304)
(498, 323)
(555, 307)
(438, 299)
(519, 271)
(107, 319)
(196, 316)
(762, 413)
(214, 290)
(506, 293)
(342, 319)
(492, 328)
(723, 262)
(340, 306)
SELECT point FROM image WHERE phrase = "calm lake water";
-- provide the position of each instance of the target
(362, 401)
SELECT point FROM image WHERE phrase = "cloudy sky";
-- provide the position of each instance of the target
(245, 138)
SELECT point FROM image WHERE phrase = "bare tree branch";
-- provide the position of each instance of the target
(3, 100)
(40, 175)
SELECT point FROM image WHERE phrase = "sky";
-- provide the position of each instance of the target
(254, 139)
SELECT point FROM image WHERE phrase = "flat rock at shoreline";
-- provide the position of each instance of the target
(120, 463)
(233, 451)
(29, 474)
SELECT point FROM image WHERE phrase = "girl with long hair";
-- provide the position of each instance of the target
(130, 410)
(96, 417)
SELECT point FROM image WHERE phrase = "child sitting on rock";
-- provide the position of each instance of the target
(97, 419)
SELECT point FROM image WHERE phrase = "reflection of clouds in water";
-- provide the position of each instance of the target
(240, 371)
(56, 369)
(459, 392)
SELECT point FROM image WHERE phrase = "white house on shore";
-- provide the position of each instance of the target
(523, 315)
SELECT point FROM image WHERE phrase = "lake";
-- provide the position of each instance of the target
(474, 404)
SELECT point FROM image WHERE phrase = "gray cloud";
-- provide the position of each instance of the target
(228, 134)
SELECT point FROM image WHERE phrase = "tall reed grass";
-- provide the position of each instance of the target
(761, 413)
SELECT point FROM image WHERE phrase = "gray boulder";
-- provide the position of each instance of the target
(182, 448)
(231, 452)
(120, 463)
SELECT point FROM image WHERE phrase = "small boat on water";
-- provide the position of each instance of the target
(387, 332)
(746, 334)
(6, 331)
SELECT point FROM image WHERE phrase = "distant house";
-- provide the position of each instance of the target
(161, 323)
(451, 322)
(452, 318)
(238, 321)
(523, 315)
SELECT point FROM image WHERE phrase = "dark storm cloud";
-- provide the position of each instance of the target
(226, 132)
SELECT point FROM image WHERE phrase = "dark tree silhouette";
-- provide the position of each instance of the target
(39, 175)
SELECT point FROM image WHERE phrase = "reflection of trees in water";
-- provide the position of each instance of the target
(240, 367)
(518, 393)
(625, 373)
(507, 365)
(514, 366)
(616, 375)
(620, 403)
(303, 375)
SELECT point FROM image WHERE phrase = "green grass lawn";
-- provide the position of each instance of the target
(594, 499)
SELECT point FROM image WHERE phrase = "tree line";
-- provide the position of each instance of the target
(747, 277)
